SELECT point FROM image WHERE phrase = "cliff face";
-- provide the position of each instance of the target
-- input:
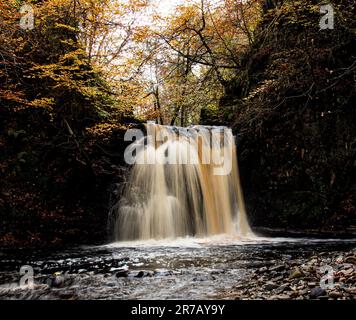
(294, 101)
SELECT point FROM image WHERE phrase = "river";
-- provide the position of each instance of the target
(184, 268)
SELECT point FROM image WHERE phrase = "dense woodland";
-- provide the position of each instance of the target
(88, 70)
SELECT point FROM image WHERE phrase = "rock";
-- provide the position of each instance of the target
(317, 292)
(277, 279)
(282, 288)
(286, 256)
(57, 281)
(270, 286)
(347, 272)
(303, 292)
(312, 284)
(351, 259)
(313, 262)
(68, 295)
(351, 290)
(162, 272)
(277, 268)
(335, 295)
(123, 273)
(296, 273)
(339, 259)
(111, 284)
(217, 271)
(263, 269)
(204, 278)
(141, 274)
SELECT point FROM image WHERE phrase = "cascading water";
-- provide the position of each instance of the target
(185, 182)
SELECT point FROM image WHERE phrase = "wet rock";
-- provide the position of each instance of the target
(313, 261)
(351, 279)
(162, 272)
(277, 279)
(296, 273)
(351, 290)
(286, 256)
(123, 273)
(111, 284)
(317, 292)
(347, 272)
(67, 295)
(312, 284)
(57, 280)
(204, 278)
(351, 259)
(282, 288)
(335, 295)
(262, 269)
(141, 274)
(270, 286)
(303, 292)
(240, 286)
(277, 268)
(218, 271)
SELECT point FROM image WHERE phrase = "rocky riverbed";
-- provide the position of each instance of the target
(188, 269)
(323, 275)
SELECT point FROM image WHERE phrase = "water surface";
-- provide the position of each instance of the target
(171, 269)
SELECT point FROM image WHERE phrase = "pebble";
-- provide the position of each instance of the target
(296, 273)
(335, 295)
(311, 284)
(317, 292)
(270, 286)
(277, 268)
(282, 288)
(57, 281)
(141, 274)
(300, 278)
(351, 259)
(123, 273)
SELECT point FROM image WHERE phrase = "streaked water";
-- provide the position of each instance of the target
(185, 182)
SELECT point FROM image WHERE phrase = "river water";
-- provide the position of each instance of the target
(171, 269)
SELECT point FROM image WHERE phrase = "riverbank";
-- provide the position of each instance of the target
(323, 276)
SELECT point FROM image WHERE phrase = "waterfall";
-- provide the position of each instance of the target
(183, 182)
